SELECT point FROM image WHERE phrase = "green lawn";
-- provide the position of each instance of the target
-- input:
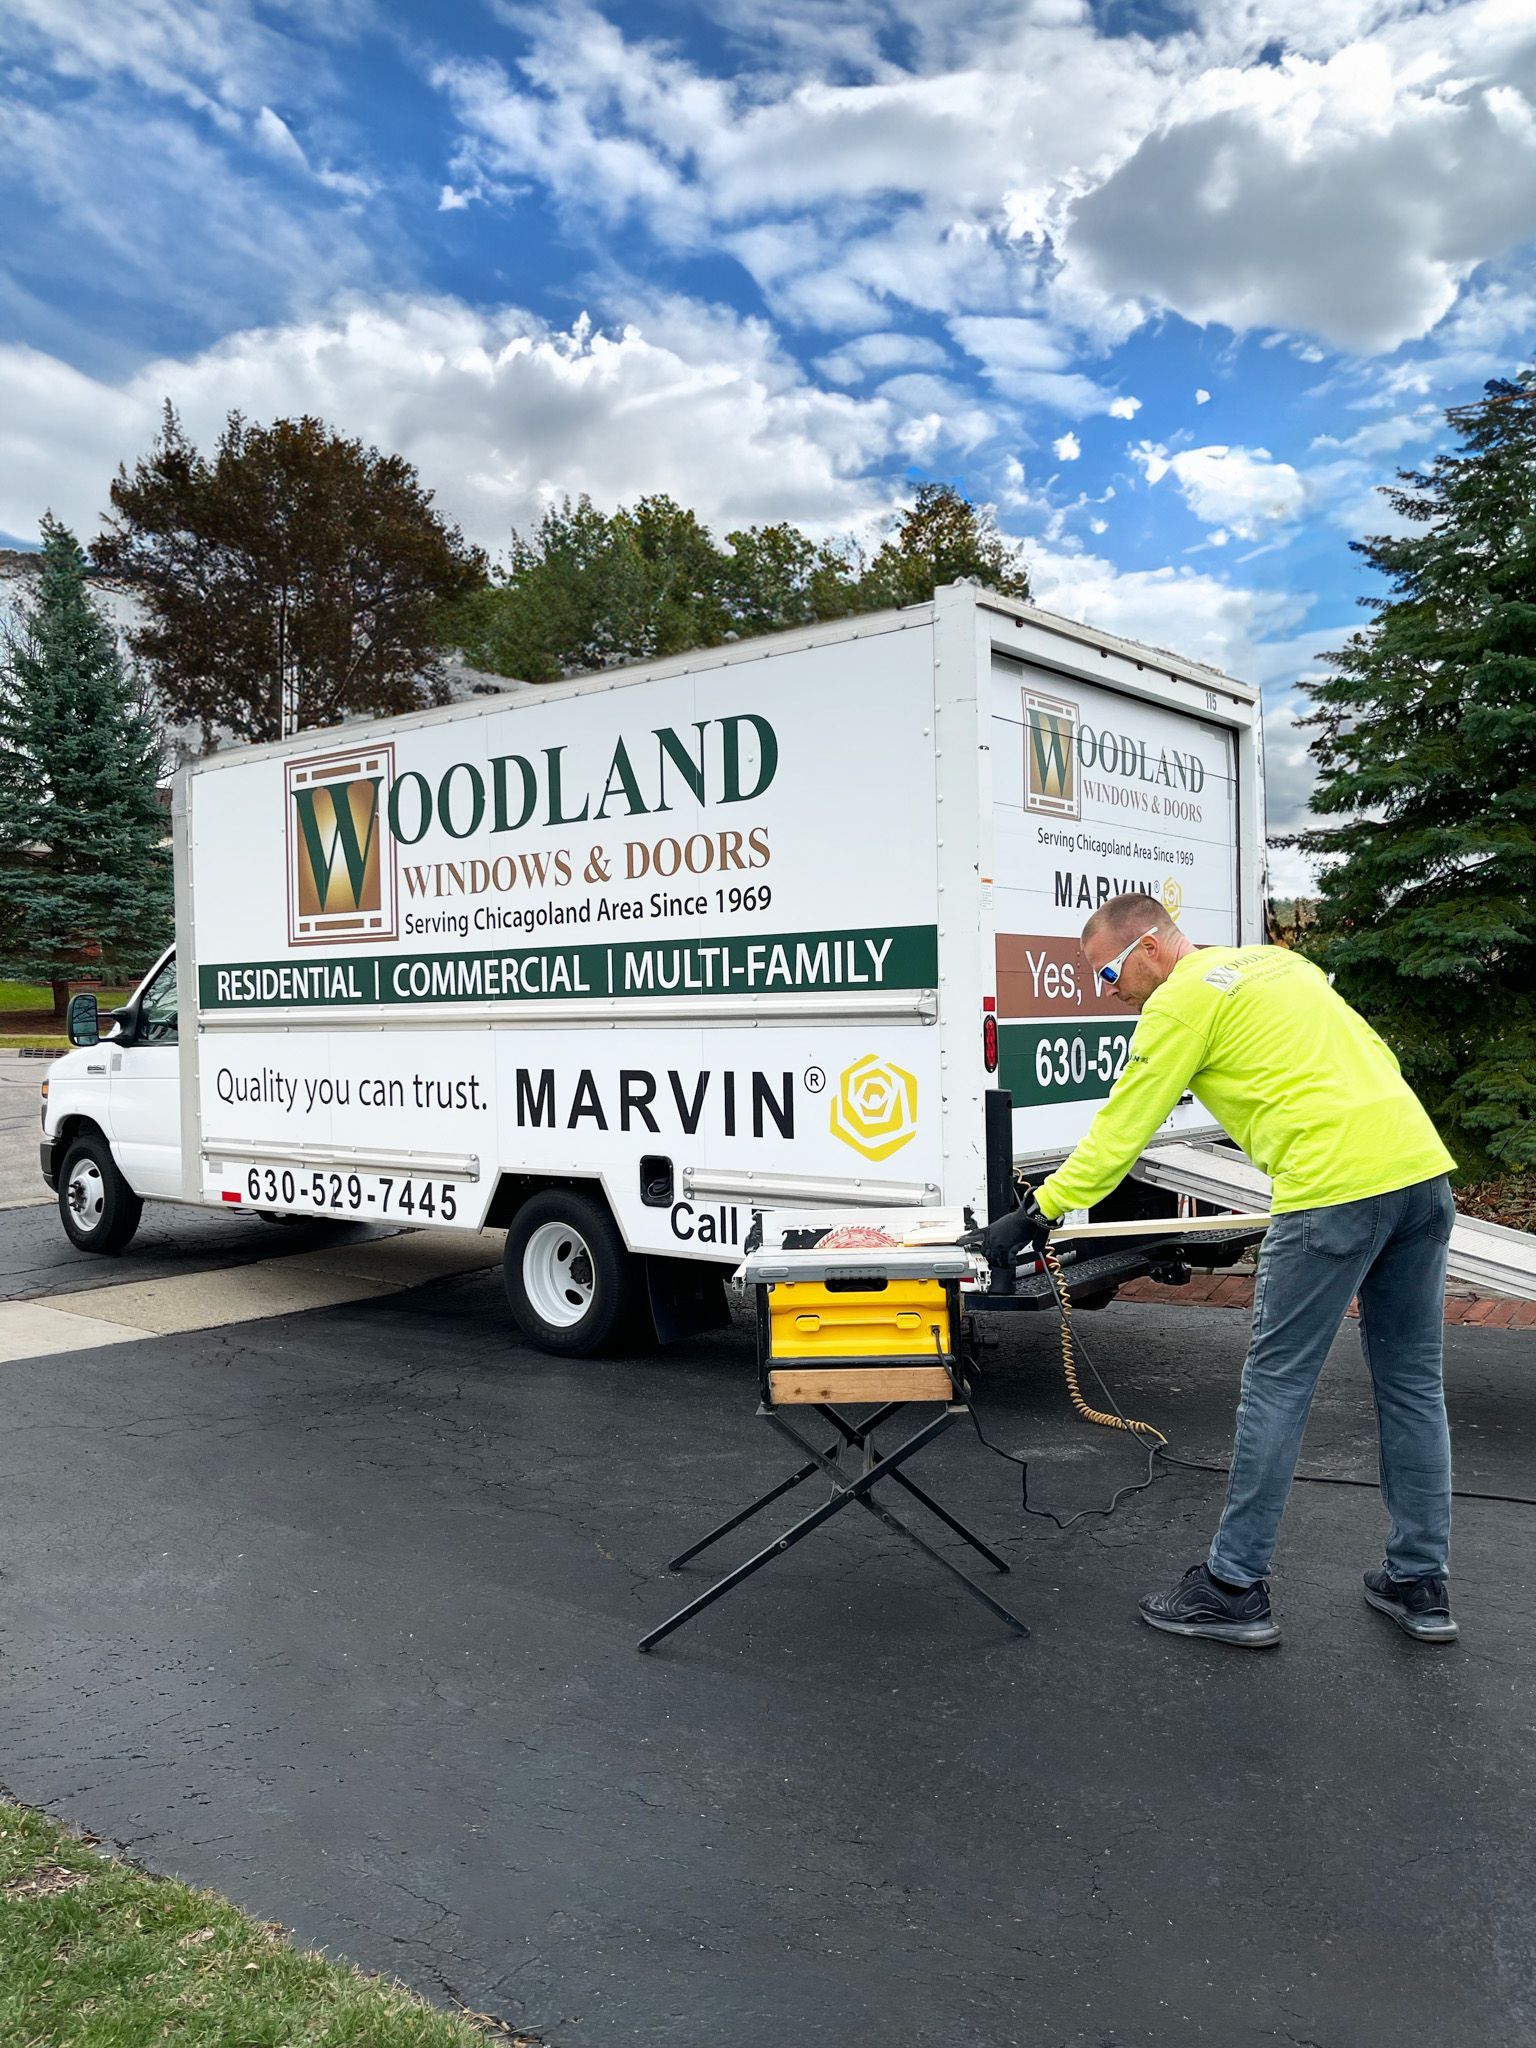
(95, 1955)
(26, 995)
(28, 1000)
(22, 995)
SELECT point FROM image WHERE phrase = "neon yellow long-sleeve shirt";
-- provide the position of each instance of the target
(1286, 1067)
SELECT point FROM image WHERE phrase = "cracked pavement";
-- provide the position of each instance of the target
(336, 1613)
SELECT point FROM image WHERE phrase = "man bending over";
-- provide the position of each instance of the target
(1362, 1207)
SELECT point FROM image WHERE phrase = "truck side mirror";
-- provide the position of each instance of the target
(81, 1020)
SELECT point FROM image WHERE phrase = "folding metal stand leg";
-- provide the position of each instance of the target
(784, 1486)
(843, 1495)
(854, 1435)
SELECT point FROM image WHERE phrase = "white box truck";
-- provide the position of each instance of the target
(614, 963)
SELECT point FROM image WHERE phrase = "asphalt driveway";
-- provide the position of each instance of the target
(337, 1613)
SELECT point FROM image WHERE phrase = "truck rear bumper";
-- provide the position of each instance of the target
(46, 1152)
(1094, 1278)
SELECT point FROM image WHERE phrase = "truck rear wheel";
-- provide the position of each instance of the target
(98, 1209)
(572, 1284)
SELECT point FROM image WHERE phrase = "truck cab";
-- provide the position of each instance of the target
(112, 1120)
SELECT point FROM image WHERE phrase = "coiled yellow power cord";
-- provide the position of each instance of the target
(1152, 1440)
(1144, 1432)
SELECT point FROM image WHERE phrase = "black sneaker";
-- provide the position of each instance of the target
(1420, 1607)
(1197, 1606)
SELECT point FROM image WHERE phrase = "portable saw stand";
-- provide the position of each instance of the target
(878, 1327)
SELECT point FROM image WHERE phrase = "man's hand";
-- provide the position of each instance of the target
(1001, 1242)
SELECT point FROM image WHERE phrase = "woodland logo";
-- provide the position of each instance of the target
(1050, 756)
(341, 852)
(1062, 754)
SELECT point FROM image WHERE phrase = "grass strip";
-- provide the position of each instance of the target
(25, 995)
(95, 1954)
(36, 995)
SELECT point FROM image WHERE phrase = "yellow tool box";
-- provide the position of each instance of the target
(866, 1325)
(883, 1319)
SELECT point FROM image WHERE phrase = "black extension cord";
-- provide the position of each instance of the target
(1160, 1450)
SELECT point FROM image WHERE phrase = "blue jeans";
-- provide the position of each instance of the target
(1390, 1250)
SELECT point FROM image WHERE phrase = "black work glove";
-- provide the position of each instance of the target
(1001, 1242)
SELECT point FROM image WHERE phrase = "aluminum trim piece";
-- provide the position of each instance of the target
(777, 1187)
(452, 1165)
(603, 1016)
(911, 1262)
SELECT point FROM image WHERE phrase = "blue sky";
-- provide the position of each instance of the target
(1174, 290)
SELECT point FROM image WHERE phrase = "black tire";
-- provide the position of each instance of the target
(572, 1284)
(98, 1209)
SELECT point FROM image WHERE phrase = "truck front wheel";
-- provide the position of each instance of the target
(98, 1209)
(572, 1284)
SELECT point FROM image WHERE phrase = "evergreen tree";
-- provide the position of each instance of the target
(1426, 747)
(85, 882)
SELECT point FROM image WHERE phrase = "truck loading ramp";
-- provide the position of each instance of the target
(1482, 1254)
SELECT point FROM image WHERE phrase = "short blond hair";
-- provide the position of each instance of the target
(1126, 918)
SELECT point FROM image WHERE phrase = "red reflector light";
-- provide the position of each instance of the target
(228, 1197)
(989, 1042)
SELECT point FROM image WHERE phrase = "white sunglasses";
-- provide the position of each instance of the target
(1110, 971)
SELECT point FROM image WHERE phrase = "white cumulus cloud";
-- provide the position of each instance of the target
(1242, 490)
(1029, 361)
(1021, 161)
(1067, 449)
(500, 413)
(875, 353)
(1350, 196)
(1198, 616)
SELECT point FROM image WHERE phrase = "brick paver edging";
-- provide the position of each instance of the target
(1235, 1290)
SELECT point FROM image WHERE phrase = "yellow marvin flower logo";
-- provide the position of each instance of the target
(1173, 898)
(875, 1107)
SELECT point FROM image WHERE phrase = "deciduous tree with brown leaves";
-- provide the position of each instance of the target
(293, 578)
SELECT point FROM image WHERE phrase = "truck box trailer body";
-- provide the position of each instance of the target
(665, 946)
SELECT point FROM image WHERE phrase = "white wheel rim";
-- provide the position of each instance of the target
(87, 1194)
(557, 1274)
